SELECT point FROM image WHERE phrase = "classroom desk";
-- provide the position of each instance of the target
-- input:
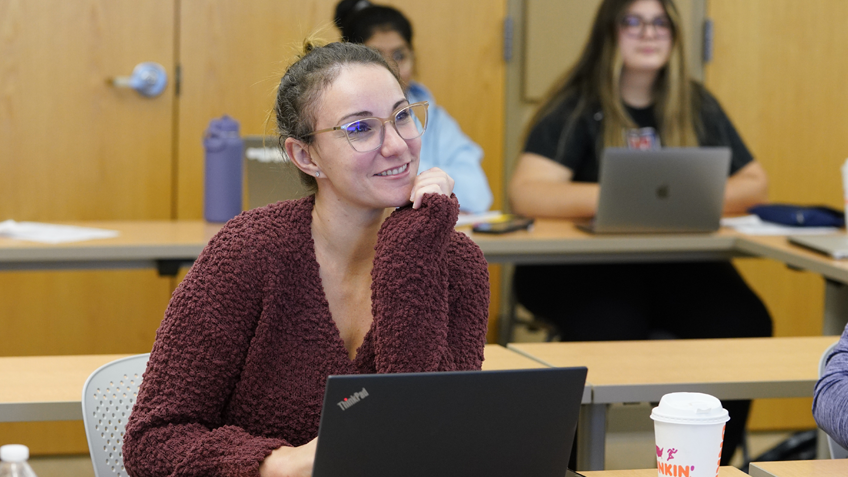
(46, 388)
(722, 472)
(560, 241)
(49, 388)
(800, 468)
(643, 371)
(145, 243)
(835, 273)
(164, 245)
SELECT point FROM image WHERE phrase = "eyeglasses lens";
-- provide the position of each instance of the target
(367, 134)
(635, 26)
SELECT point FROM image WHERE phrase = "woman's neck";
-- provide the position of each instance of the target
(637, 87)
(347, 235)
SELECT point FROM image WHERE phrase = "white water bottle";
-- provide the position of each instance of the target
(13, 461)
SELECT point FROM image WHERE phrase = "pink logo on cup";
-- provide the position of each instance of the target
(673, 470)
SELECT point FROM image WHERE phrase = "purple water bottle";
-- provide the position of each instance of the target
(224, 164)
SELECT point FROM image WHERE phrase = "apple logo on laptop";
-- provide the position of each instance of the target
(663, 191)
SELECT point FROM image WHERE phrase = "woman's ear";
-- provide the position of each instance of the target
(298, 153)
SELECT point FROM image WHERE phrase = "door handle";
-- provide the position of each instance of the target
(148, 79)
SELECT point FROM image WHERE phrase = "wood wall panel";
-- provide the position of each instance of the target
(72, 147)
(779, 69)
(233, 55)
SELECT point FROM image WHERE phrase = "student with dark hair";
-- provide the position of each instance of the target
(445, 146)
(632, 79)
(365, 276)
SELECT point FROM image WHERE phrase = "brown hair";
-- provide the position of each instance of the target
(313, 70)
(594, 81)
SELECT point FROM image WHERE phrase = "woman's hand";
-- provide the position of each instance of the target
(290, 461)
(430, 181)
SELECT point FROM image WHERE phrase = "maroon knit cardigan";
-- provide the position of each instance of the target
(241, 359)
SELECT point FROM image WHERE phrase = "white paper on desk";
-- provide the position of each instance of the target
(52, 233)
(753, 225)
(471, 219)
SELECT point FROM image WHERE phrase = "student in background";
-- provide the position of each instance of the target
(632, 77)
(350, 280)
(830, 401)
(445, 145)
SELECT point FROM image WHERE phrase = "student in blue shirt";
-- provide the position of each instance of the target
(445, 145)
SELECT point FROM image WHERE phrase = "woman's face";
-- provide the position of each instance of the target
(376, 179)
(395, 50)
(644, 36)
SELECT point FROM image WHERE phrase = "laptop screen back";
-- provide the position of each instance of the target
(269, 178)
(666, 190)
(476, 423)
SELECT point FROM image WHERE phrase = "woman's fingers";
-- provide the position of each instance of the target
(434, 181)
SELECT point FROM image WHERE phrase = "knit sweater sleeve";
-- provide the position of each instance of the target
(830, 399)
(177, 427)
(429, 292)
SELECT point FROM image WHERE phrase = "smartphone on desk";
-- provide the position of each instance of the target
(509, 224)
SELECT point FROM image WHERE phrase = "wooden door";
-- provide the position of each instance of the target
(779, 69)
(72, 147)
(233, 55)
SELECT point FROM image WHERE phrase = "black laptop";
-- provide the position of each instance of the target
(474, 423)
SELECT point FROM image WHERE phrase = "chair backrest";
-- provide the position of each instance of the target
(836, 450)
(107, 399)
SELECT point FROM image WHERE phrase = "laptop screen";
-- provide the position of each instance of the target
(492, 423)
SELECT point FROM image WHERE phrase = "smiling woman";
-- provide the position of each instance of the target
(367, 275)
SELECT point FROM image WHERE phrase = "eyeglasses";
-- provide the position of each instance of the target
(635, 26)
(366, 135)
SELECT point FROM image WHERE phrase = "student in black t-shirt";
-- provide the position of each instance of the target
(630, 87)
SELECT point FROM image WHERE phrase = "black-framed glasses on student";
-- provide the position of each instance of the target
(635, 26)
(366, 135)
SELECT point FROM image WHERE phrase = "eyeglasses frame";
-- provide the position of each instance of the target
(643, 27)
(383, 122)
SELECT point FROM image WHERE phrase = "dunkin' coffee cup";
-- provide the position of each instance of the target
(689, 431)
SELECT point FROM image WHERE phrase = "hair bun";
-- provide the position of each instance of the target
(310, 43)
(346, 8)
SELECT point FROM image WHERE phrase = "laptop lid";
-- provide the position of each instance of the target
(474, 423)
(269, 178)
(836, 246)
(664, 190)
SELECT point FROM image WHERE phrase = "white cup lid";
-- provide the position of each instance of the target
(690, 408)
(14, 453)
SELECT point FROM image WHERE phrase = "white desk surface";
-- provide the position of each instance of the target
(800, 468)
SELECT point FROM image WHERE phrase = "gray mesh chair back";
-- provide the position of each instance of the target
(836, 450)
(107, 399)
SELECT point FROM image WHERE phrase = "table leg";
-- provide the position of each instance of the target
(591, 437)
(835, 307)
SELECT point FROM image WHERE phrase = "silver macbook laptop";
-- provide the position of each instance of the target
(475, 423)
(836, 246)
(269, 178)
(659, 191)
